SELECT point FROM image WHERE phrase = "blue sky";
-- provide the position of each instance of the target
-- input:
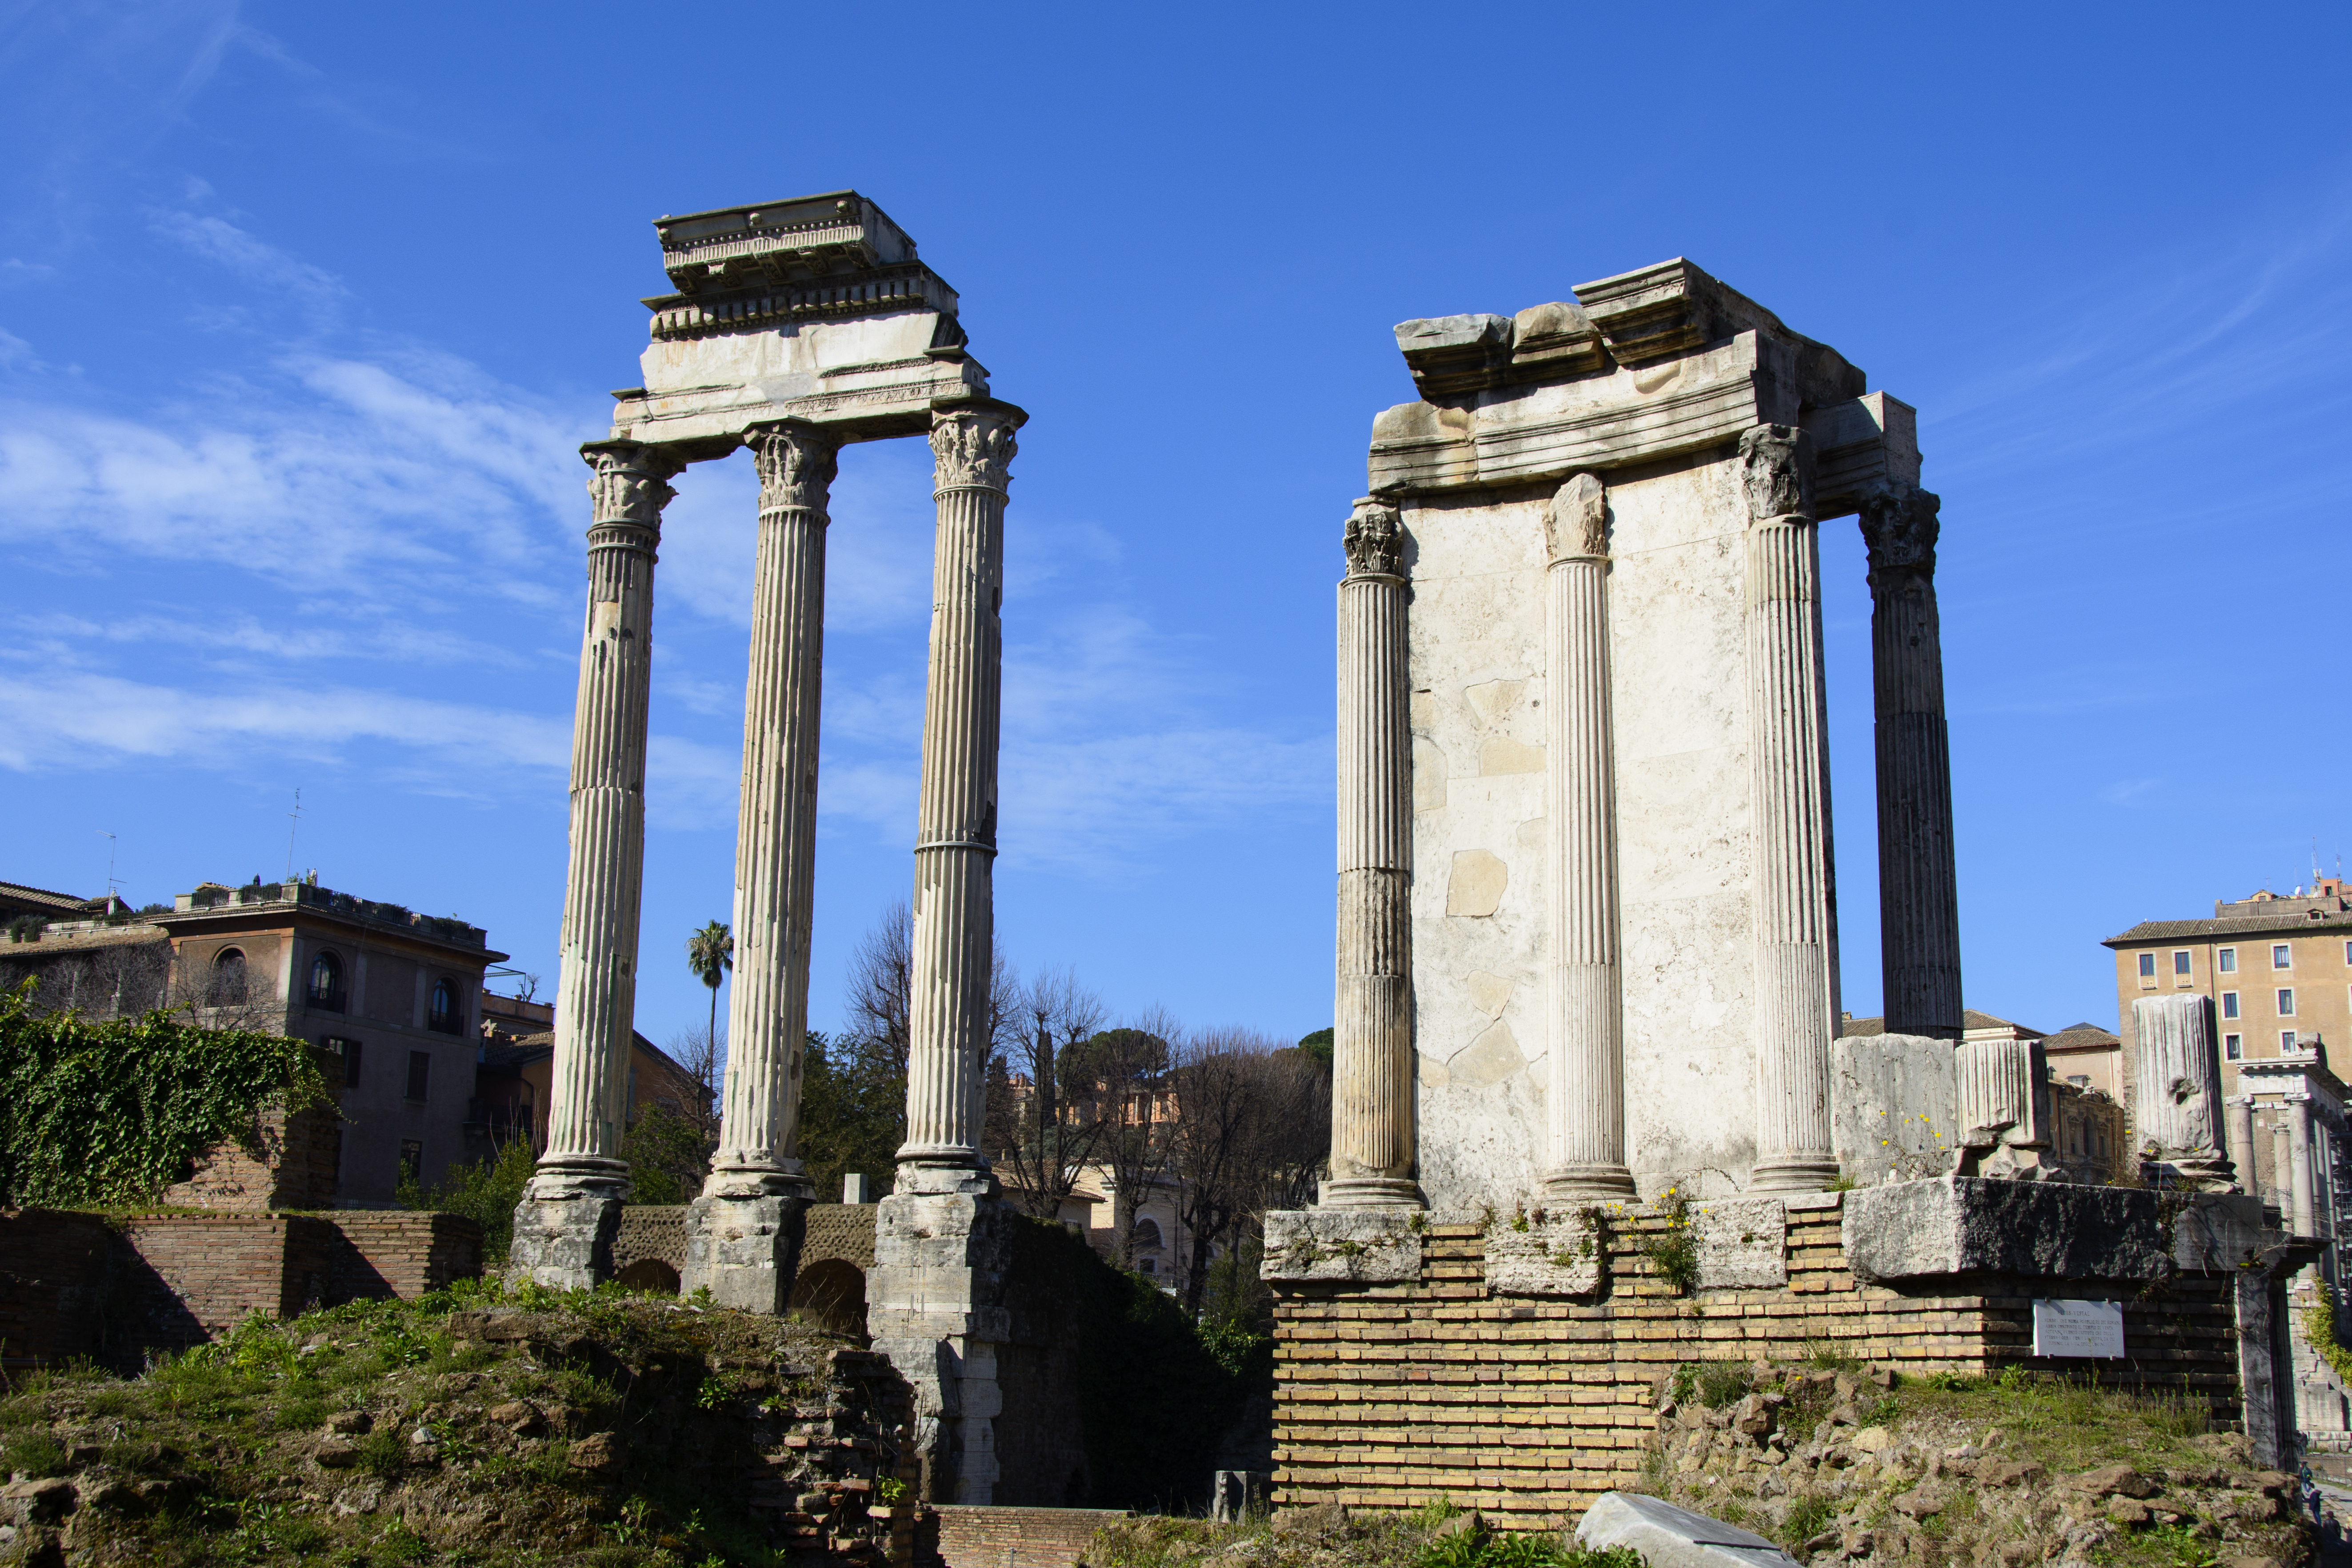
(303, 311)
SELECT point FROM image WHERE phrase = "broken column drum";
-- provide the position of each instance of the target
(794, 327)
(2177, 1093)
(1618, 972)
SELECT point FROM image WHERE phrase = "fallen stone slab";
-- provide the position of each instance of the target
(1671, 1536)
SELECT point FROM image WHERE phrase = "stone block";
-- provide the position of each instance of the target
(1961, 1225)
(1562, 1255)
(743, 1250)
(1893, 1107)
(1671, 1536)
(1743, 1243)
(1360, 1246)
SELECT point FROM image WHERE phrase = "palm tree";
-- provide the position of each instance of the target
(709, 952)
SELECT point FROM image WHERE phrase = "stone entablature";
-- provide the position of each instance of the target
(813, 310)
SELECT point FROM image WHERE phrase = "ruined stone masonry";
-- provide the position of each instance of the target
(795, 327)
(1591, 1117)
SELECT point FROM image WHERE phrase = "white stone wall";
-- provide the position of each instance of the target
(1481, 842)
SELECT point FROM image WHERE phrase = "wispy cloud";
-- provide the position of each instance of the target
(318, 292)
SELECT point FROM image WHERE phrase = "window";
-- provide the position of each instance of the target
(2180, 963)
(229, 978)
(2229, 1004)
(412, 1160)
(446, 1014)
(1146, 1235)
(420, 1073)
(2286, 1002)
(2347, 953)
(350, 1051)
(2281, 955)
(2147, 966)
(1149, 1266)
(2234, 1047)
(2286, 1039)
(327, 982)
(2226, 959)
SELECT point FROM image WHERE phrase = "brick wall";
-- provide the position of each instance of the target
(1390, 1395)
(401, 1253)
(198, 1275)
(295, 1167)
(655, 1231)
(980, 1537)
(840, 1230)
(54, 1269)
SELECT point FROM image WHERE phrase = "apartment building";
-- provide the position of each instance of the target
(2278, 968)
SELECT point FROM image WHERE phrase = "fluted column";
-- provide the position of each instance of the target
(775, 829)
(562, 1227)
(1789, 773)
(1372, 1150)
(1919, 884)
(2241, 1142)
(741, 1232)
(2302, 1185)
(1586, 1102)
(953, 940)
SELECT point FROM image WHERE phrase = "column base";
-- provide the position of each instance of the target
(1589, 1182)
(935, 1306)
(565, 1225)
(1371, 1192)
(923, 1176)
(744, 1247)
(1794, 1173)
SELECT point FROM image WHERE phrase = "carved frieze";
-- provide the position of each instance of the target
(1899, 527)
(1374, 541)
(973, 446)
(796, 465)
(1776, 466)
(1576, 523)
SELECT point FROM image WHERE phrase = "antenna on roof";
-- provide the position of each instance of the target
(102, 833)
(295, 821)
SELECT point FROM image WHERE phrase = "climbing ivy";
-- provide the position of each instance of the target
(111, 1112)
(2319, 1328)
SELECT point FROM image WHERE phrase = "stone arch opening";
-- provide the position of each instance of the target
(650, 1274)
(829, 1295)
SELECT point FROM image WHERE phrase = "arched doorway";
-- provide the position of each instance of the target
(831, 1295)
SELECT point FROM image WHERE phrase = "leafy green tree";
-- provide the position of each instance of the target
(853, 1108)
(1318, 1045)
(485, 1191)
(710, 952)
(667, 1154)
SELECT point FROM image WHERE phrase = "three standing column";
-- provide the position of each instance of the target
(1789, 773)
(1586, 1105)
(1373, 1152)
(954, 918)
(564, 1225)
(740, 1233)
(1919, 884)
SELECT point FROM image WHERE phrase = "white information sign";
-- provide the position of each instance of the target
(2078, 1328)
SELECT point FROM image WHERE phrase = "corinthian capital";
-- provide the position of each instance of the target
(972, 445)
(796, 464)
(1899, 526)
(1374, 541)
(1576, 523)
(1777, 469)
(627, 481)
